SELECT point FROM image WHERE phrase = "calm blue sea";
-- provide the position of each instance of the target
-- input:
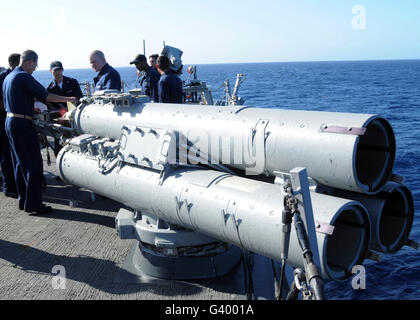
(389, 88)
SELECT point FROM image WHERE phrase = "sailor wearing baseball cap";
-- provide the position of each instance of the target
(62, 86)
(148, 77)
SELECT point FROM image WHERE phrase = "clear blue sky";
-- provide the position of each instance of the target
(210, 31)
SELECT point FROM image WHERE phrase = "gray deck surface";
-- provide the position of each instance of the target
(83, 239)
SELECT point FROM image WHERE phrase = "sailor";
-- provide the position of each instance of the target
(148, 79)
(169, 86)
(108, 77)
(152, 61)
(20, 89)
(8, 185)
(62, 86)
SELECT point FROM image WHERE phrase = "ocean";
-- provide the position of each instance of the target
(388, 88)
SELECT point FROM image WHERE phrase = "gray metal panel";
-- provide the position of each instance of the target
(147, 147)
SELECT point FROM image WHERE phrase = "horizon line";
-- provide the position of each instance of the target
(254, 62)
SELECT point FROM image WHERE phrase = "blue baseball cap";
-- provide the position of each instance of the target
(56, 65)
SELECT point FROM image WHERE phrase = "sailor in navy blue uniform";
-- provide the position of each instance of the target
(8, 184)
(19, 90)
(152, 61)
(169, 86)
(62, 86)
(148, 78)
(108, 77)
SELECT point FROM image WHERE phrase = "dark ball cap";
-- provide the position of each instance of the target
(138, 58)
(56, 65)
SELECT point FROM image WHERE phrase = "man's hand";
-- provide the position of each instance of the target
(73, 99)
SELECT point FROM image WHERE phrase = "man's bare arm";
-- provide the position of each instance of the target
(56, 98)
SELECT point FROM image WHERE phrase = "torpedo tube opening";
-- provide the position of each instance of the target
(375, 155)
(348, 244)
(396, 219)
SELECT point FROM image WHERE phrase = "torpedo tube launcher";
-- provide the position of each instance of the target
(391, 211)
(186, 212)
(348, 151)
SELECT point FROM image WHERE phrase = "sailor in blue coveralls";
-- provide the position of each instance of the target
(19, 90)
(62, 86)
(8, 184)
(108, 77)
(150, 78)
(169, 86)
(152, 61)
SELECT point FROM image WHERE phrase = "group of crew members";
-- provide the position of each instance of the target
(20, 156)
